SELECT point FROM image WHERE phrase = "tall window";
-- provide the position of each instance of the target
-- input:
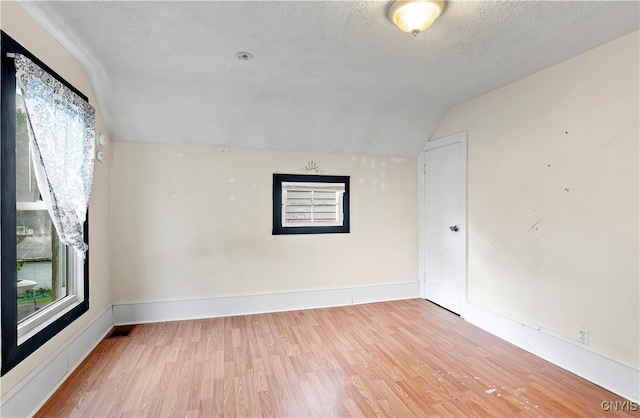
(44, 282)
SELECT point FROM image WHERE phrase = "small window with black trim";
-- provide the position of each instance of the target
(310, 204)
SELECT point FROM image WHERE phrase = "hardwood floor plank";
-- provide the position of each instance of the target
(404, 358)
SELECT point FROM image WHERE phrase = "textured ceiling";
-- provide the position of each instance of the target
(328, 76)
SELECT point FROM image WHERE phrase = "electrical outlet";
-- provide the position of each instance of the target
(583, 336)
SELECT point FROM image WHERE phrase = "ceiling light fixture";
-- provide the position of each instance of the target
(243, 55)
(414, 16)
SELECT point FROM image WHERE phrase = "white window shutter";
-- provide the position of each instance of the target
(312, 204)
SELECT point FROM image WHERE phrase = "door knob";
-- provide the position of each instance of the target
(454, 228)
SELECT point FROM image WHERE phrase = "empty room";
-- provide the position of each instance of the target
(320, 208)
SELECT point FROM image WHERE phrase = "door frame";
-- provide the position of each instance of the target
(459, 137)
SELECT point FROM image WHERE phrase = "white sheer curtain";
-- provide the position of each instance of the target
(61, 128)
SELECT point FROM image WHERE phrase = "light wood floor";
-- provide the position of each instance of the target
(404, 358)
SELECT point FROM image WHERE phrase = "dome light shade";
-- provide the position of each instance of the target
(414, 16)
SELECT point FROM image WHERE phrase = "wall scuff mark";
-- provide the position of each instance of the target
(535, 223)
(312, 166)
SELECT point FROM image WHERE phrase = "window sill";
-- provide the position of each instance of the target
(39, 321)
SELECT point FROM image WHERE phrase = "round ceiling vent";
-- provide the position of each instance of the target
(245, 56)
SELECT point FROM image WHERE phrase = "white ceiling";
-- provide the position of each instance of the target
(328, 76)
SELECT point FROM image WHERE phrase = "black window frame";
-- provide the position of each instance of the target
(278, 229)
(12, 353)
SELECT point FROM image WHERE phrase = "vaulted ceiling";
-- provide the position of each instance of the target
(327, 76)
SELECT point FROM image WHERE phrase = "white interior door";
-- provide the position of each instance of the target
(445, 222)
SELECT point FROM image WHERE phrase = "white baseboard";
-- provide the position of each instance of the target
(183, 309)
(618, 376)
(26, 397)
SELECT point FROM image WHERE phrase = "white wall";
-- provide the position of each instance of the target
(193, 222)
(553, 181)
(17, 24)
